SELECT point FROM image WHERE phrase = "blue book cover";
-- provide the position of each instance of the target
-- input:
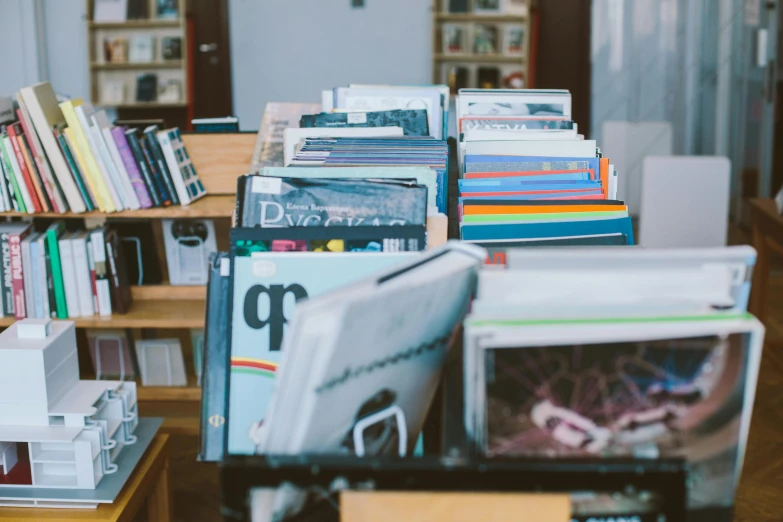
(559, 229)
(521, 163)
(266, 287)
(532, 185)
(521, 180)
(528, 197)
(535, 164)
(412, 122)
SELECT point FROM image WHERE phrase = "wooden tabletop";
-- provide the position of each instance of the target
(144, 483)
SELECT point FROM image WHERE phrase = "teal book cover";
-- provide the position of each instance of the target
(266, 287)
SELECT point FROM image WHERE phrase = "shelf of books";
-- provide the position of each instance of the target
(138, 53)
(482, 44)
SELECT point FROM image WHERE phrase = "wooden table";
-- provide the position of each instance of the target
(767, 237)
(150, 482)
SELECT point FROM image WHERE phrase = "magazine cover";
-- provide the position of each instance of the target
(266, 287)
(329, 239)
(412, 122)
(269, 202)
(665, 396)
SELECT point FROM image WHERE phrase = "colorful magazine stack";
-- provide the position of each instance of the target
(294, 238)
(63, 274)
(66, 156)
(528, 178)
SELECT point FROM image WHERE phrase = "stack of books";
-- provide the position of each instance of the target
(617, 352)
(66, 156)
(529, 178)
(62, 274)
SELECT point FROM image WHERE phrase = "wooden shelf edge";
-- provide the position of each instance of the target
(171, 64)
(181, 425)
(478, 17)
(210, 206)
(133, 24)
(168, 293)
(480, 58)
(169, 393)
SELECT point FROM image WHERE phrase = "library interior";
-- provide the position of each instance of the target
(191, 189)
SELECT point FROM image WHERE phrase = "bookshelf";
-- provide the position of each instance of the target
(113, 81)
(487, 46)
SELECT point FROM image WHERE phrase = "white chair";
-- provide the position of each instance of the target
(684, 201)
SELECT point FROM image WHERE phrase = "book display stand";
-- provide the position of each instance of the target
(336, 477)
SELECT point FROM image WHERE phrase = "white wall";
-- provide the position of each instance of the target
(66, 47)
(19, 64)
(290, 50)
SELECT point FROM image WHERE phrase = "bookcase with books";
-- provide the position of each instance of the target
(484, 44)
(138, 52)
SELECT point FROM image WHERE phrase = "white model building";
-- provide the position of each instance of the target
(57, 431)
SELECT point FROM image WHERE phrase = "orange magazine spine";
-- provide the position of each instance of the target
(605, 176)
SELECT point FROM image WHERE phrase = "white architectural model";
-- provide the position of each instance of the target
(57, 431)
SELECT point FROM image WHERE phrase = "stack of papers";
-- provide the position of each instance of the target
(618, 352)
(400, 151)
(528, 177)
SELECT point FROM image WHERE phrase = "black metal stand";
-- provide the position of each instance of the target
(240, 475)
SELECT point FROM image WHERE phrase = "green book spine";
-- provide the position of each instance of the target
(11, 174)
(77, 175)
(52, 234)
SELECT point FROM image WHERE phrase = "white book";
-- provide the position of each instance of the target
(520, 135)
(27, 271)
(101, 122)
(81, 115)
(69, 275)
(82, 269)
(17, 173)
(173, 165)
(44, 112)
(292, 136)
(108, 163)
(553, 148)
(44, 287)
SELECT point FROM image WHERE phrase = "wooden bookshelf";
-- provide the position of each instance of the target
(210, 206)
(468, 69)
(169, 393)
(104, 73)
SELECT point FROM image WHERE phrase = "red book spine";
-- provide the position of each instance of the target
(38, 160)
(28, 180)
(17, 274)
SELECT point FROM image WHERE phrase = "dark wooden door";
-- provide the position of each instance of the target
(211, 59)
(563, 60)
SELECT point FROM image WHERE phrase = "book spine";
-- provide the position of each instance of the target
(101, 274)
(57, 274)
(119, 165)
(6, 195)
(130, 166)
(82, 270)
(38, 278)
(104, 162)
(160, 162)
(27, 271)
(13, 186)
(91, 265)
(50, 305)
(28, 190)
(78, 137)
(157, 177)
(171, 160)
(146, 176)
(52, 191)
(69, 276)
(12, 146)
(65, 149)
(120, 290)
(41, 125)
(213, 411)
(34, 174)
(7, 281)
(17, 275)
(73, 156)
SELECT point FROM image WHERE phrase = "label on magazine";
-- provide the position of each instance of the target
(263, 185)
(225, 267)
(357, 118)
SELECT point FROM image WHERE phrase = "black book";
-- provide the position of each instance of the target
(138, 156)
(50, 282)
(118, 276)
(157, 177)
(138, 245)
(213, 402)
(157, 154)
